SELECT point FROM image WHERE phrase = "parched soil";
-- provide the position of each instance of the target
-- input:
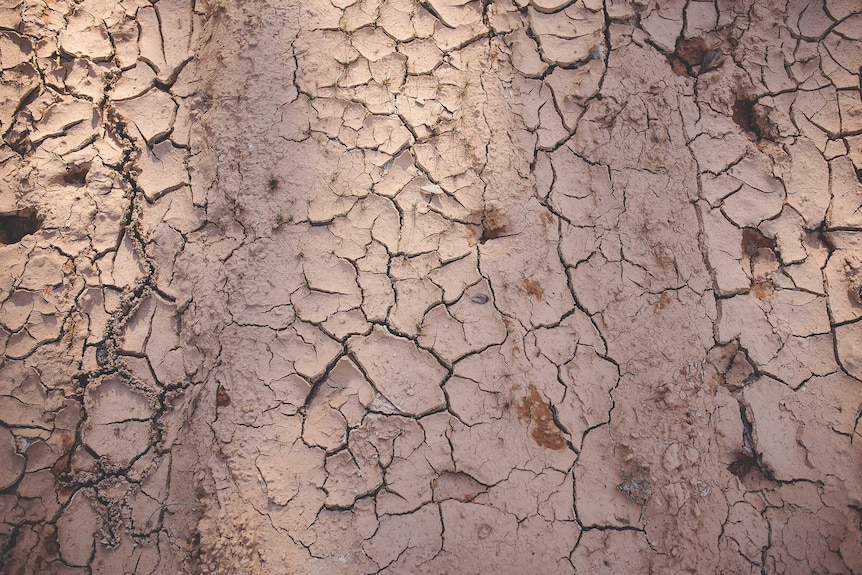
(440, 286)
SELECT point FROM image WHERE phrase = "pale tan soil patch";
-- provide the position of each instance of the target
(388, 286)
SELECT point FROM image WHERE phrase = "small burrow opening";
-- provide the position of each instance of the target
(102, 355)
(743, 110)
(758, 253)
(742, 464)
(689, 54)
(859, 175)
(754, 120)
(752, 242)
(15, 225)
(77, 175)
(494, 225)
(222, 397)
(492, 233)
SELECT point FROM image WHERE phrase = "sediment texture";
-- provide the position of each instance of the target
(387, 286)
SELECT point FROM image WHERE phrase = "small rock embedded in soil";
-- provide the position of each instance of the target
(480, 299)
(638, 491)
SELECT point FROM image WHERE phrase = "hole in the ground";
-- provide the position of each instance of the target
(758, 252)
(753, 240)
(77, 174)
(859, 175)
(15, 225)
(743, 115)
(494, 225)
(688, 54)
(742, 464)
(754, 120)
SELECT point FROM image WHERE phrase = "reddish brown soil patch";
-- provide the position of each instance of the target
(534, 288)
(544, 431)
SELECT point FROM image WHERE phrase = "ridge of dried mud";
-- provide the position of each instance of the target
(389, 286)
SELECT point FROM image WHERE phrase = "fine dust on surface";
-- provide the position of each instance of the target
(389, 286)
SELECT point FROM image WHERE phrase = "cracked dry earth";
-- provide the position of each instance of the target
(388, 286)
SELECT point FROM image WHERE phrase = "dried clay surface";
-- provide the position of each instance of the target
(439, 286)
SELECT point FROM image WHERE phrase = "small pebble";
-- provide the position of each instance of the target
(480, 298)
(101, 355)
(711, 60)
